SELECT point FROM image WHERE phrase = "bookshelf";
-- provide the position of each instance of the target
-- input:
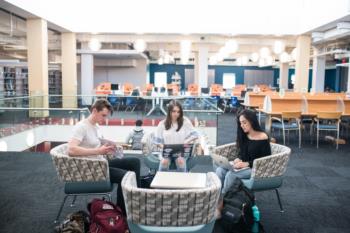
(55, 85)
(13, 81)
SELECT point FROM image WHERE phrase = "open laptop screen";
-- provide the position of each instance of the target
(176, 150)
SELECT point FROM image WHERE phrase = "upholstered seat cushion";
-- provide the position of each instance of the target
(263, 184)
(327, 127)
(156, 229)
(88, 187)
(278, 125)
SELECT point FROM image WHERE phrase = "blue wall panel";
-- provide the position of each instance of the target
(331, 80)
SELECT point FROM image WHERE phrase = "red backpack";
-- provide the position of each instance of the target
(106, 218)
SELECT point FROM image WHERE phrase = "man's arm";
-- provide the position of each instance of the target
(75, 150)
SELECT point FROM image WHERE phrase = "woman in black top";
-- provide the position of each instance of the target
(252, 143)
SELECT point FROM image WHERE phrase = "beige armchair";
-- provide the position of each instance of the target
(81, 175)
(171, 210)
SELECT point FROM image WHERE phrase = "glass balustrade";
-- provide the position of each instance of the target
(21, 113)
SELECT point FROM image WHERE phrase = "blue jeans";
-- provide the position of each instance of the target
(168, 161)
(228, 177)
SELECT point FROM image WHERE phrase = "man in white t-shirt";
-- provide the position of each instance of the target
(86, 141)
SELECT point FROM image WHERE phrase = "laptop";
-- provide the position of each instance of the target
(205, 90)
(177, 150)
(223, 162)
(114, 87)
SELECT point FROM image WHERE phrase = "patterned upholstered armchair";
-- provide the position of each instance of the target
(227, 150)
(82, 176)
(171, 210)
(267, 172)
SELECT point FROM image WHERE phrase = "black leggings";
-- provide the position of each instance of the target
(117, 169)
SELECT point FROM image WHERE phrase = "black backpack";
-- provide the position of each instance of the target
(237, 213)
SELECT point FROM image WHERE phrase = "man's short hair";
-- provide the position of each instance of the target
(100, 104)
(138, 123)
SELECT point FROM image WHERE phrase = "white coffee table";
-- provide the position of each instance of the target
(179, 180)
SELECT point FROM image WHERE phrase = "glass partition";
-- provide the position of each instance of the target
(16, 120)
(16, 114)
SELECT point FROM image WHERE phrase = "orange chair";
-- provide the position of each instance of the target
(148, 89)
(103, 89)
(264, 87)
(127, 88)
(215, 89)
(174, 88)
(237, 90)
(193, 89)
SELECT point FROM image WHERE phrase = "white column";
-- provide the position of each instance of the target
(302, 63)
(69, 70)
(283, 82)
(87, 77)
(37, 43)
(318, 71)
(202, 74)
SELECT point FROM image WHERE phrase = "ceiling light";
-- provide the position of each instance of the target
(213, 60)
(255, 57)
(140, 45)
(245, 60)
(261, 62)
(270, 60)
(94, 44)
(231, 46)
(278, 47)
(185, 46)
(264, 52)
(284, 57)
(223, 52)
(160, 61)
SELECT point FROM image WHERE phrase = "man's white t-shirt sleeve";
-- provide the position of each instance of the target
(79, 132)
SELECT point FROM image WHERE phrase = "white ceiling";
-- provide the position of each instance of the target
(230, 17)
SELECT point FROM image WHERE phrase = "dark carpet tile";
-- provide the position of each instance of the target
(316, 171)
(330, 183)
(342, 171)
(293, 172)
(342, 196)
(297, 183)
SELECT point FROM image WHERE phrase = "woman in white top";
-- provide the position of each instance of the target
(175, 129)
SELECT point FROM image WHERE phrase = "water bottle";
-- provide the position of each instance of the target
(256, 213)
(255, 227)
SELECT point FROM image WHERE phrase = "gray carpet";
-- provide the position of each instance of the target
(315, 192)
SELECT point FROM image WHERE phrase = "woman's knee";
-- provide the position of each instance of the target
(164, 162)
(181, 162)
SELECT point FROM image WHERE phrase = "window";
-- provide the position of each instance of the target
(160, 79)
(228, 80)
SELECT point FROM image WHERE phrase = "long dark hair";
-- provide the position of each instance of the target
(168, 120)
(242, 137)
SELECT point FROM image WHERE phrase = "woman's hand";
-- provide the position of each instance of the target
(241, 164)
(237, 160)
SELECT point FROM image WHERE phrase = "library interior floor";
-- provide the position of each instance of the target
(315, 192)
